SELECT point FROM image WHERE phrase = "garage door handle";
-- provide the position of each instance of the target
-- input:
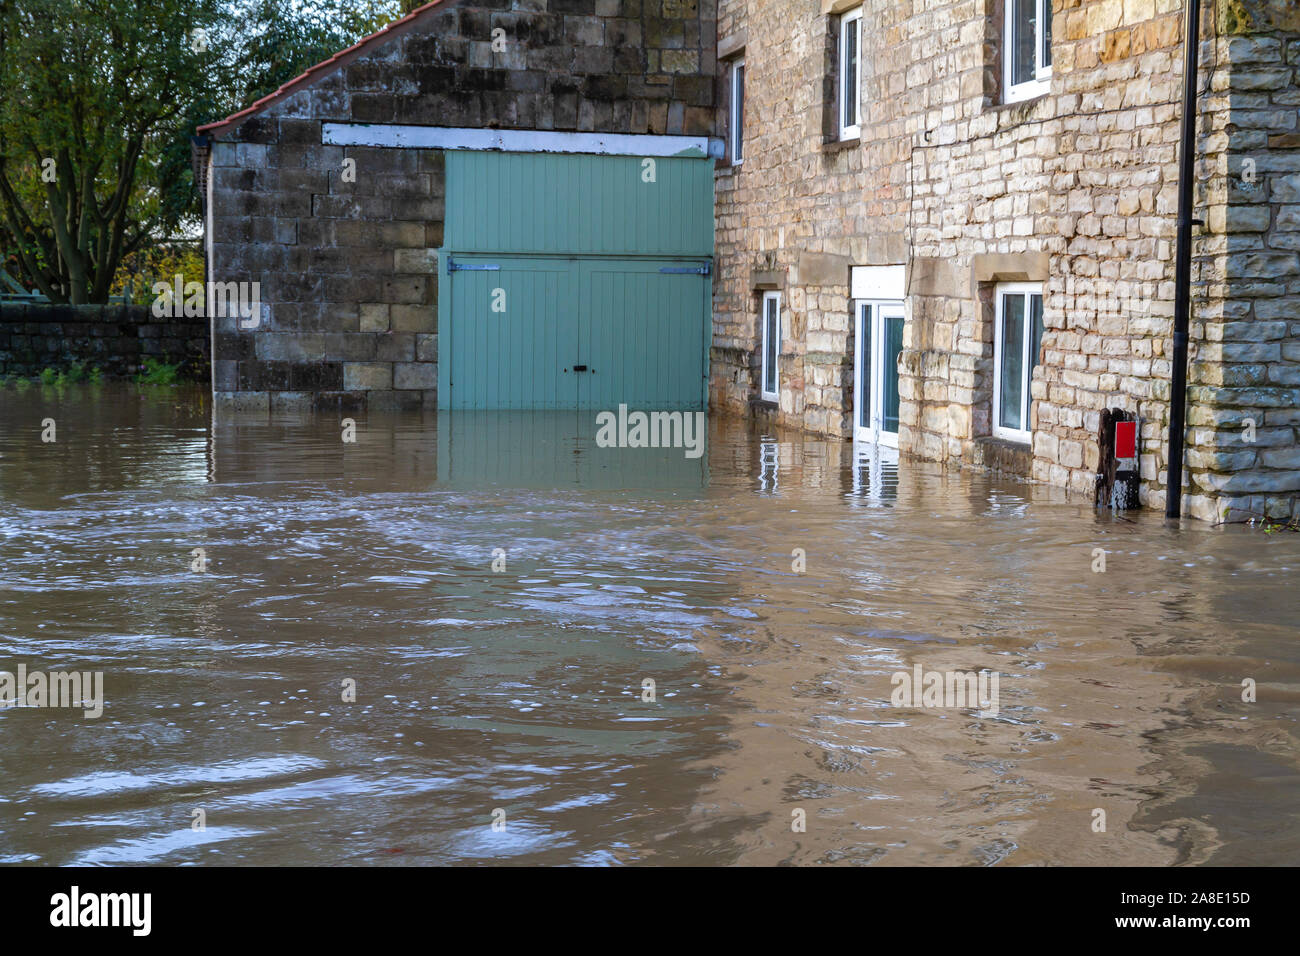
(580, 368)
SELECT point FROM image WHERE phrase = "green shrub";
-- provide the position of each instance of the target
(76, 372)
(155, 372)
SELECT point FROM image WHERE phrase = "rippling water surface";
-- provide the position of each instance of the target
(521, 689)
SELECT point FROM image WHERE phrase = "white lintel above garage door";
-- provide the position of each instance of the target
(878, 282)
(517, 140)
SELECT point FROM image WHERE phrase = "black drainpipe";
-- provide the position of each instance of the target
(1183, 263)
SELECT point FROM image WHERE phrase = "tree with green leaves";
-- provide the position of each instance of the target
(94, 91)
(99, 99)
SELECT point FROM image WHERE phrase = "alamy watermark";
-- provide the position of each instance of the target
(626, 429)
(955, 689)
(77, 909)
(1109, 297)
(240, 300)
(84, 689)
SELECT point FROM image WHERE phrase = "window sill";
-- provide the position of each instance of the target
(836, 145)
(1004, 455)
(1017, 111)
(764, 403)
(1013, 104)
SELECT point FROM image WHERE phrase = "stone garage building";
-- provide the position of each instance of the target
(488, 204)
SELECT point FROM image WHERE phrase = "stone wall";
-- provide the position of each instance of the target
(1076, 189)
(1244, 412)
(116, 339)
(804, 206)
(348, 265)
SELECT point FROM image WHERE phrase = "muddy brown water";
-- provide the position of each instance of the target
(521, 689)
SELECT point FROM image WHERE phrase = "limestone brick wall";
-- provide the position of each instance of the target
(803, 206)
(1076, 189)
(1243, 454)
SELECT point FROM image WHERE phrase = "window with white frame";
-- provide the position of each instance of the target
(1027, 49)
(770, 385)
(1017, 335)
(850, 74)
(736, 116)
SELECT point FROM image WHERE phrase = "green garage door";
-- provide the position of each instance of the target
(572, 282)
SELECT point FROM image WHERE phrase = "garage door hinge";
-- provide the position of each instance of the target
(454, 266)
(703, 270)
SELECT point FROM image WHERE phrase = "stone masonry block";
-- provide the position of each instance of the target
(421, 375)
(367, 376)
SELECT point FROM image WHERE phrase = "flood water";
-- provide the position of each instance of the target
(520, 688)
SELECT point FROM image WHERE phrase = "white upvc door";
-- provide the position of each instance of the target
(879, 339)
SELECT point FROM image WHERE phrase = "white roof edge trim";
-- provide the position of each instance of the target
(518, 140)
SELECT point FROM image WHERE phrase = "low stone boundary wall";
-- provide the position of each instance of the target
(115, 338)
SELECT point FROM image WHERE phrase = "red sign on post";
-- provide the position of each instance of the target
(1126, 440)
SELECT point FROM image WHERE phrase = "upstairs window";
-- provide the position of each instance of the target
(1028, 49)
(736, 116)
(850, 74)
